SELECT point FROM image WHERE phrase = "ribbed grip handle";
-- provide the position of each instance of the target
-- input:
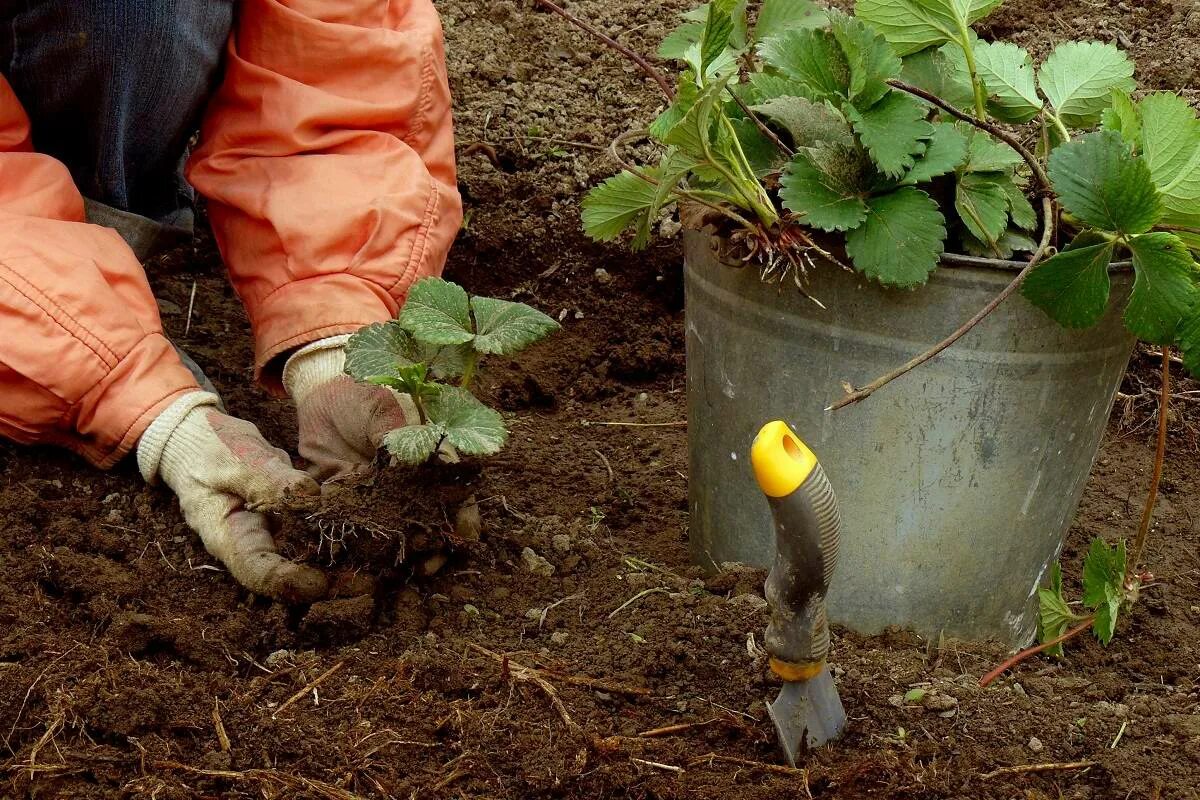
(807, 526)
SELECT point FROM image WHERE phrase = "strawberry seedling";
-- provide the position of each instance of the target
(430, 352)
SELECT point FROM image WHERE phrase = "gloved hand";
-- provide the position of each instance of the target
(224, 472)
(342, 422)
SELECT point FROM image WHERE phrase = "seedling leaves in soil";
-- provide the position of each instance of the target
(441, 333)
(1104, 594)
(1054, 616)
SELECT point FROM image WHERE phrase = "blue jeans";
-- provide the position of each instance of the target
(115, 90)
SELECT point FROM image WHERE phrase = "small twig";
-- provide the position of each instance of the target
(528, 674)
(1164, 401)
(1120, 733)
(1044, 187)
(1178, 228)
(191, 304)
(572, 680)
(1033, 651)
(683, 727)
(628, 52)
(611, 476)
(219, 725)
(1024, 769)
(565, 142)
(657, 765)
(762, 126)
(275, 777)
(879, 383)
(679, 424)
(778, 769)
(635, 598)
(312, 685)
(554, 605)
(29, 691)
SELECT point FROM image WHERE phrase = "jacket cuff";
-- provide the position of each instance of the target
(154, 440)
(308, 311)
(313, 365)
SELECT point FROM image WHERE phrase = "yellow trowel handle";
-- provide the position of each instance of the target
(807, 524)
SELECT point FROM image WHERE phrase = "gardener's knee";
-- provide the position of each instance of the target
(115, 87)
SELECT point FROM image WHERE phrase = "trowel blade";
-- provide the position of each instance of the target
(807, 714)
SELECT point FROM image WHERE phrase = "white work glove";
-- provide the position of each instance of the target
(342, 422)
(224, 472)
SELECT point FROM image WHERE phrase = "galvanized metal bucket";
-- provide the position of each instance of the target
(958, 481)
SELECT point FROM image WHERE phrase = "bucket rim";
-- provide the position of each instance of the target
(962, 260)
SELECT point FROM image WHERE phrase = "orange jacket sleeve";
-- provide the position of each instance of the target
(327, 158)
(83, 361)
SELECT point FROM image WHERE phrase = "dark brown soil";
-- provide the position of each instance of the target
(131, 666)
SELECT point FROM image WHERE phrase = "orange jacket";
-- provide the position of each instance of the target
(327, 157)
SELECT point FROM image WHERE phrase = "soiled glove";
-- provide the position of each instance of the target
(223, 472)
(342, 422)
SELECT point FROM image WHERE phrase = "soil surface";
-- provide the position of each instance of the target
(539, 659)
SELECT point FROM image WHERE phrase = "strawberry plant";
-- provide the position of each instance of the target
(430, 353)
(899, 138)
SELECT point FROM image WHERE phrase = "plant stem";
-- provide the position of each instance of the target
(628, 52)
(1178, 229)
(469, 369)
(973, 69)
(1033, 651)
(1139, 543)
(1062, 129)
(762, 126)
(420, 406)
(879, 383)
(687, 194)
(1039, 174)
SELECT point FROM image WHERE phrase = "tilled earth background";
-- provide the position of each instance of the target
(571, 651)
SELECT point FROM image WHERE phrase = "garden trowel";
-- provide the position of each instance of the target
(808, 712)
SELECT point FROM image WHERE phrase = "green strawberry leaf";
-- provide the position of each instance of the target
(894, 131)
(941, 71)
(982, 204)
(945, 151)
(686, 93)
(825, 186)
(871, 59)
(913, 25)
(378, 349)
(1164, 287)
(444, 361)
(414, 444)
(1102, 183)
(1170, 145)
(778, 16)
(1054, 615)
(806, 122)
(1078, 79)
(1123, 117)
(614, 205)
(1019, 207)
(763, 155)
(811, 58)
(678, 42)
(1103, 578)
(504, 328)
(437, 311)
(1007, 72)
(473, 428)
(763, 86)
(693, 134)
(1009, 243)
(1189, 341)
(1073, 286)
(718, 27)
(985, 154)
(900, 241)
(1103, 572)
